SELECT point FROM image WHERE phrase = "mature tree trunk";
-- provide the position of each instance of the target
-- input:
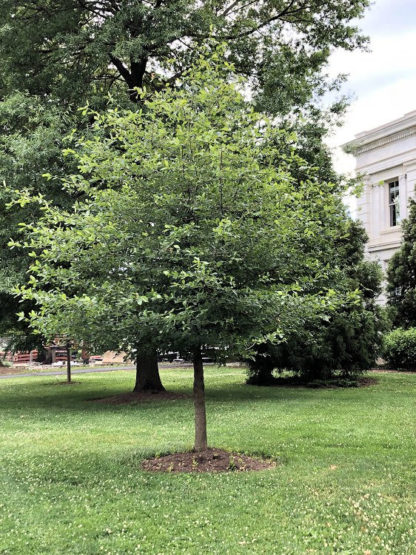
(199, 403)
(68, 363)
(147, 373)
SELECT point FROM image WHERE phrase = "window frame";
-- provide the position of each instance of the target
(393, 198)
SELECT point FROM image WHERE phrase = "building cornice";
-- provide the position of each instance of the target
(366, 147)
(388, 133)
(401, 162)
(393, 244)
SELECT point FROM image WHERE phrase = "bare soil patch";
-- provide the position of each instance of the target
(7, 370)
(339, 384)
(140, 396)
(211, 460)
(367, 382)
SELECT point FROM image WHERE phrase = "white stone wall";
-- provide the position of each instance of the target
(383, 155)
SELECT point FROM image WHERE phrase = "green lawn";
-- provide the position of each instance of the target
(70, 478)
(14, 370)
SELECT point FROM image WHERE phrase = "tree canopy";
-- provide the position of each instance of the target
(76, 49)
(56, 56)
(193, 231)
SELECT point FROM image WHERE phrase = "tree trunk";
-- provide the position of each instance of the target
(68, 363)
(199, 403)
(147, 373)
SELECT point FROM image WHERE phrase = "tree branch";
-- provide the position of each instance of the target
(124, 72)
(287, 11)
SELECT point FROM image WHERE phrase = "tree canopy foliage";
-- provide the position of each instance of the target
(347, 340)
(31, 145)
(56, 56)
(401, 275)
(76, 49)
(193, 228)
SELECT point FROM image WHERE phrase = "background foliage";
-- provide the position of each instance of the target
(345, 341)
(399, 349)
(401, 275)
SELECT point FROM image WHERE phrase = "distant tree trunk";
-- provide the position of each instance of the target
(199, 403)
(85, 355)
(147, 373)
(68, 363)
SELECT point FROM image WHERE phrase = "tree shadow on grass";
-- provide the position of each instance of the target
(83, 397)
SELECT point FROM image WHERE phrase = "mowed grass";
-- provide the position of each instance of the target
(70, 477)
(41, 369)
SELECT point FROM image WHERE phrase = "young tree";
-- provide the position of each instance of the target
(401, 275)
(197, 241)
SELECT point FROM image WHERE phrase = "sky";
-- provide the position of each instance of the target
(382, 82)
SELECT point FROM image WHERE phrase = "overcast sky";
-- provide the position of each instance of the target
(382, 81)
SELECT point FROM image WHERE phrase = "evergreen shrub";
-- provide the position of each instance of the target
(344, 344)
(399, 349)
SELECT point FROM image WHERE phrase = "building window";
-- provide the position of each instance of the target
(394, 199)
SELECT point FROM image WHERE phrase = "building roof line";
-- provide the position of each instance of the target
(383, 134)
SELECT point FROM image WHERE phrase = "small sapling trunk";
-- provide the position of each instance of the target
(199, 403)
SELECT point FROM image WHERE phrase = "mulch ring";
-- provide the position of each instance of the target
(210, 460)
(139, 397)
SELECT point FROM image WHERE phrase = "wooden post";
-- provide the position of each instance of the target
(68, 362)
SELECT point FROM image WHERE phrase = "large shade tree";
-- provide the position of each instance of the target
(197, 241)
(75, 48)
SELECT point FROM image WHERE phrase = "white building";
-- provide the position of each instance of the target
(386, 161)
